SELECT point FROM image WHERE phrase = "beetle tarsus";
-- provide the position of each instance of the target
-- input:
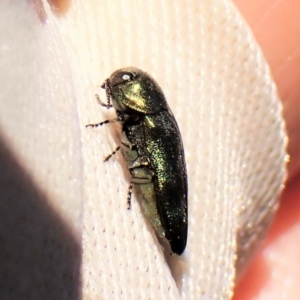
(102, 123)
(129, 196)
(113, 153)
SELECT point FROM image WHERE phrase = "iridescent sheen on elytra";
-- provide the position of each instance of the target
(151, 144)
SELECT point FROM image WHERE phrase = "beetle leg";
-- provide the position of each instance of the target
(107, 105)
(139, 162)
(139, 175)
(104, 122)
(129, 196)
(125, 141)
(113, 153)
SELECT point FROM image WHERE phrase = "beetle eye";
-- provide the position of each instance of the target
(121, 77)
(126, 77)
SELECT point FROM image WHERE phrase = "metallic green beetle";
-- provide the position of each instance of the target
(152, 146)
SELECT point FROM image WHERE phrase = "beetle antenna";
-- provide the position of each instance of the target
(107, 105)
(107, 91)
(105, 86)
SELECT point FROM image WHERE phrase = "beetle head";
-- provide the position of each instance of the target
(131, 88)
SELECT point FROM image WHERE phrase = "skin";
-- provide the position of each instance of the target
(274, 273)
(59, 7)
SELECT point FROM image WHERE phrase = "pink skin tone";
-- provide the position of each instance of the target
(275, 272)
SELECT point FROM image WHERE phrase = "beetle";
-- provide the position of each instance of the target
(152, 147)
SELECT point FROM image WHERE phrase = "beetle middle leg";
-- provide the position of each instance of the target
(104, 122)
(111, 154)
(129, 196)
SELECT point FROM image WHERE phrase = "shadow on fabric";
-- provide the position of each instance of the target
(40, 257)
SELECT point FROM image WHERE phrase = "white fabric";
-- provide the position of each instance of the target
(219, 88)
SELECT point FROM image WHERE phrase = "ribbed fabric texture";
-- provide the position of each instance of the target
(219, 88)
